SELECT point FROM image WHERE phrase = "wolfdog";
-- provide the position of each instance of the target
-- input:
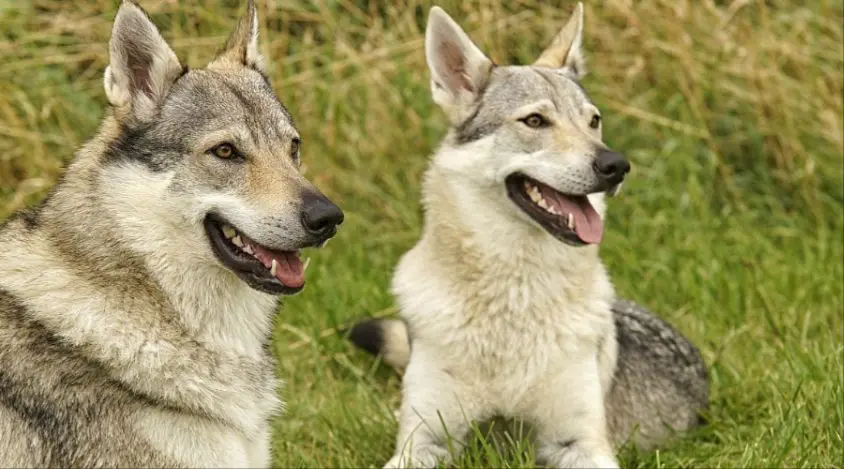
(507, 310)
(136, 302)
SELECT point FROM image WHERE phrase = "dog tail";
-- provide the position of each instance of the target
(387, 338)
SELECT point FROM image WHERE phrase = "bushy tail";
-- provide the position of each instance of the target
(387, 338)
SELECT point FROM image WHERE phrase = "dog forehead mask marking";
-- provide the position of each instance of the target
(513, 87)
(210, 101)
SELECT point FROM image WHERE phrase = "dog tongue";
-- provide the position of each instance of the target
(587, 223)
(289, 270)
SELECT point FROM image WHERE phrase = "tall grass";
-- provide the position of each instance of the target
(731, 225)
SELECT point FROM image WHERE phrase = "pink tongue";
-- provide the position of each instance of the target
(587, 223)
(289, 270)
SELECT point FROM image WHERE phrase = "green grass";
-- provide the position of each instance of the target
(731, 225)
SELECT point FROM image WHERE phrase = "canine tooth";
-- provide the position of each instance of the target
(615, 190)
(534, 194)
(248, 249)
(571, 221)
(554, 210)
(274, 267)
(542, 203)
(229, 231)
(307, 261)
(237, 241)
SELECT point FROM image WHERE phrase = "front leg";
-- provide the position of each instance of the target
(436, 412)
(570, 419)
(258, 450)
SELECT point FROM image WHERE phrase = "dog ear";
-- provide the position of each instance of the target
(242, 46)
(142, 67)
(565, 51)
(459, 70)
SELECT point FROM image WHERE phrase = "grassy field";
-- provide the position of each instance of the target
(731, 225)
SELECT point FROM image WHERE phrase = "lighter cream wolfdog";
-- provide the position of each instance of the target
(507, 309)
(136, 301)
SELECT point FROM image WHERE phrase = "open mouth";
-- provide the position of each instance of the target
(569, 218)
(265, 269)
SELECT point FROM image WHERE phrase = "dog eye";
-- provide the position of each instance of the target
(294, 149)
(595, 122)
(535, 121)
(224, 151)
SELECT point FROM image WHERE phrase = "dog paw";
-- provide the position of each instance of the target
(577, 455)
(426, 457)
(605, 462)
(395, 462)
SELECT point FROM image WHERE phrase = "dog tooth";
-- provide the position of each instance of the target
(229, 231)
(615, 190)
(274, 267)
(248, 249)
(571, 221)
(237, 241)
(307, 261)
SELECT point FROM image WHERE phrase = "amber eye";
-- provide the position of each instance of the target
(535, 121)
(595, 122)
(224, 151)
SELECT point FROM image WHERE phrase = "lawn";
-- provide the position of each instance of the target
(731, 225)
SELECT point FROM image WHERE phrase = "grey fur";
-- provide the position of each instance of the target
(124, 340)
(59, 408)
(659, 387)
(660, 383)
(505, 312)
(494, 104)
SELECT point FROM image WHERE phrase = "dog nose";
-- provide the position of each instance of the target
(319, 215)
(611, 167)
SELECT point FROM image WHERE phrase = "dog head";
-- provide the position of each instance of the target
(527, 133)
(208, 159)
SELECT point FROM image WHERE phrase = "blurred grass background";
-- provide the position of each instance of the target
(731, 225)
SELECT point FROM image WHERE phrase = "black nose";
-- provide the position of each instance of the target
(319, 215)
(611, 167)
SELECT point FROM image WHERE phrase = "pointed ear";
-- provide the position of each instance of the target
(241, 48)
(459, 70)
(565, 51)
(142, 67)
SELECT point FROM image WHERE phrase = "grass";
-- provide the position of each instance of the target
(731, 225)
